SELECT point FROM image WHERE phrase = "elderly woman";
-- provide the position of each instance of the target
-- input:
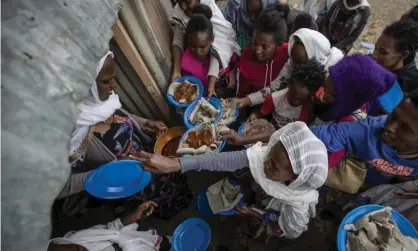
(289, 169)
(104, 132)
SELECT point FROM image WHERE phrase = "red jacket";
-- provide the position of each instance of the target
(254, 75)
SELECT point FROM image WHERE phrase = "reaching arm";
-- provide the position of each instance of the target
(228, 161)
(337, 137)
(177, 49)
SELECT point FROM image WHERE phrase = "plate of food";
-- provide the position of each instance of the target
(372, 227)
(230, 112)
(201, 139)
(202, 111)
(184, 91)
(255, 127)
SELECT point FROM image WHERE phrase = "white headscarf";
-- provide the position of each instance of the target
(92, 110)
(308, 157)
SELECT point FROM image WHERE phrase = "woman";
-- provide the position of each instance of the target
(120, 234)
(104, 132)
(344, 22)
(289, 169)
(224, 40)
(243, 14)
(304, 44)
(395, 50)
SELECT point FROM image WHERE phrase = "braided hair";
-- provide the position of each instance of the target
(310, 73)
(272, 20)
(406, 32)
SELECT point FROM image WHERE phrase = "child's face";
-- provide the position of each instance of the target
(278, 167)
(298, 54)
(264, 46)
(199, 43)
(253, 9)
(298, 94)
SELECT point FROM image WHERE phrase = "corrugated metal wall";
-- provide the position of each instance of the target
(147, 24)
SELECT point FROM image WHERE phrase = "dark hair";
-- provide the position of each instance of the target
(202, 9)
(413, 96)
(273, 20)
(412, 14)
(310, 73)
(304, 20)
(406, 32)
(198, 22)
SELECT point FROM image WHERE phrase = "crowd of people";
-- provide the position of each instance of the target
(331, 111)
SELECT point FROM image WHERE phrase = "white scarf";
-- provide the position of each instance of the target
(102, 237)
(92, 110)
(224, 35)
(308, 157)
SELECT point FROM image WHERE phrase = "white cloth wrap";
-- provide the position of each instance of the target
(92, 110)
(308, 157)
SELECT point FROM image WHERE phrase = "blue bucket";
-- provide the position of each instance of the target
(192, 80)
(213, 101)
(405, 227)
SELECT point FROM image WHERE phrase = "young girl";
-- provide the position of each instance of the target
(243, 15)
(304, 44)
(223, 40)
(261, 62)
(290, 169)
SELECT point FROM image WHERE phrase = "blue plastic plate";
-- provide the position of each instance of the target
(117, 179)
(204, 207)
(404, 225)
(192, 80)
(214, 101)
(241, 131)
(193, 234)
(187, 133)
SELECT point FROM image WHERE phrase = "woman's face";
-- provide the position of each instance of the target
(106, 80)
(329, 96)
(298, 94)
(199, 43)
(298, 54)
(253, 9)
(264, 46)
(386, 54)
(187, 6)
(278, 167)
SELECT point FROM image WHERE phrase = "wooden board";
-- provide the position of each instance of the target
(131, 53)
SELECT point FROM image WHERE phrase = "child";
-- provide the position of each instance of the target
(197, 57)
(262, 62)
(289, 169)
(286, 105)
(223, 40)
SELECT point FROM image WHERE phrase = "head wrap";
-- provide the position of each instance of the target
(92, 110)
(308, 157)
(357, 80)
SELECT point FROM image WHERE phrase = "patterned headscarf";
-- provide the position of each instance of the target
(357, 80)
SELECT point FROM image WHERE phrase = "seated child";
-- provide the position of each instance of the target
(287, 105)
(262, 62)
(223, 39)
(197, 57)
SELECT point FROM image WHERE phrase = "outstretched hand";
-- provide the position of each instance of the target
(155, 126)
(233, 138)
(156, 163)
